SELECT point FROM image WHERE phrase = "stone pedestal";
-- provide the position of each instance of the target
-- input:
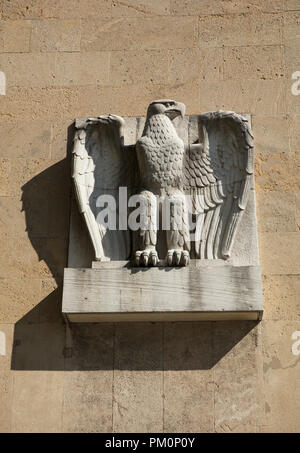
(116, 291)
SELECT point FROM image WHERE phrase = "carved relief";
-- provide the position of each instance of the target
(213, 171)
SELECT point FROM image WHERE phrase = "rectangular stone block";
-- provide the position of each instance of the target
(15, 36)
(208, 7)
(272, 133)
(138, 378)
(81, 9)
(88, 379)
(280, 253)
(32, 9)
(240, 30)
(207, 292)
(81, 69)
(276, 172)
(188, 369)
(237, 398)
(139, 67)
(280, 340)
(133, 8)
(268, 97)
(281, 297)
(28, 69)
(25, 139)
(51, 35)
(143, 33)
(33, 392)
(276, 212)
(253, 62)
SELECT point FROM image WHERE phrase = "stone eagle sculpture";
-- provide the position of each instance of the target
(215, 172)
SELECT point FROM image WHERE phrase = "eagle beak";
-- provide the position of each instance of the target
(178, 109)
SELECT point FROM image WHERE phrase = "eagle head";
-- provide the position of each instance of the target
(167, 107)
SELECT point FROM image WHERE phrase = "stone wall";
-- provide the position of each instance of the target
(76, 58)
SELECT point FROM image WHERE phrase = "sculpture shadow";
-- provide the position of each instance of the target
(44, 341)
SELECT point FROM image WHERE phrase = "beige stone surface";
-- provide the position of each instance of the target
(280, 253)
(31, 10)
(34, 393)
(237, 378)
(6, 385)
(132, 8)
(15, 36)
(281, 377)
(268, 97)
(240, 30)
(138, 378)
(272, 133)
(277, 211)
(55, 35)
(207, 7)
(277, 171)
(88, 381)
(294, 133)
(281, 297)
(143, 33)
(76, 58)
(253, 62)
(25, 139)
(188, 377)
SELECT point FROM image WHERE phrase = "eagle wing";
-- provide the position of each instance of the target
(102, 164)
(218, 175)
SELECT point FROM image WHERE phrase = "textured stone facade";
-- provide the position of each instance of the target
(68, 59)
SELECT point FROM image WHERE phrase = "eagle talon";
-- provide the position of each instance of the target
(177, 257)
(146, 258)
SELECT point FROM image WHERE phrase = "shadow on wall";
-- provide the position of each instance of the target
(42, 339)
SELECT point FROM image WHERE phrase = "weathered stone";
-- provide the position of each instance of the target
(132, 8)
(36, 145)
(138, 379)
(55, 35)
(279, 253)
(188, 359)
(209, 292)
(144, 33)
(207, 7)
(15, 36)
(6, 388)
(81, 69)
(276, 171)
(267, 96)
(281, 376)
(281, 297)
(44, 389)
(31, 10)
(271, 133)
(87, 402)
(28, 70)
(6, 345)
(240, 30)
(294, 133)
(139, 67)
(18, 296)
(245, 63)
(276, 211)
(237, 394)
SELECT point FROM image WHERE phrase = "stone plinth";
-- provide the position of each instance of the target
(115, 291)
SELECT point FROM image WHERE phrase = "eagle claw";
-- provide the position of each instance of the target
(146, 258)
(177, 257)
